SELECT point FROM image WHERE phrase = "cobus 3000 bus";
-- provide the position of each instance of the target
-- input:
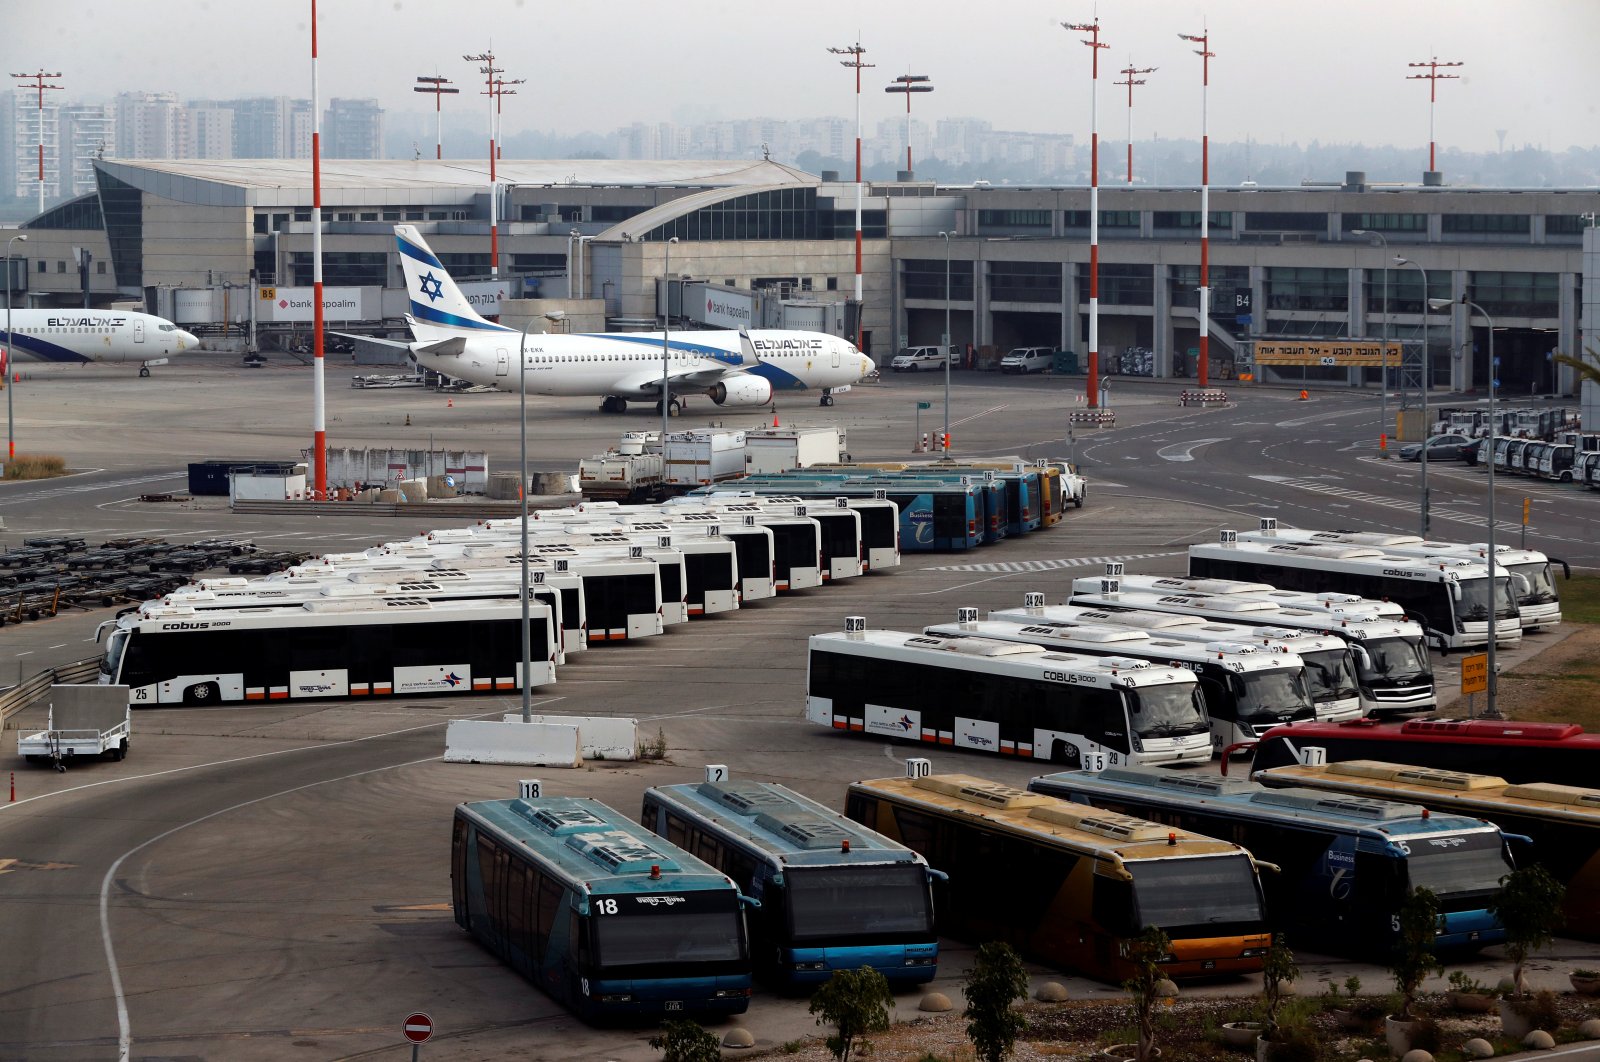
(1069, 885)
(600, 914)
(834, 894)
(1345, 863)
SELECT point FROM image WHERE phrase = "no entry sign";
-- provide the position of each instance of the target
(418, 1027)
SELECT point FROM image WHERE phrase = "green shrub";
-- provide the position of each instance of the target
(997, 980)
(685, 1041)
(854, 1002)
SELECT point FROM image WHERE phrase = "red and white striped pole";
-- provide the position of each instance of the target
(436, 85)
(1203, 370)
(39, 83)
(1433, 77)
(1133, 79)
(855, 52)
(319, 413)
(1092, 392)
(489, 70)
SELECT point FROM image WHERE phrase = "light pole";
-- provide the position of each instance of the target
(945, 441)
(522, 496)
(855, 52)
(906, 84)
(11, 440)
(1384, 391)
(666, 329)
(1092, 384)
(1427, 379)
(1491, 711)
(436, 85)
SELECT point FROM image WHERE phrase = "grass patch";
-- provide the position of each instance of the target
(36, 466)
(1562, 685)
(1580, 598)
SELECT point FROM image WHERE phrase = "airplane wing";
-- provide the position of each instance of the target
(695, 377)
(396, 344)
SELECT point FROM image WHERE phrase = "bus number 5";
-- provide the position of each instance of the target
(1097, 761)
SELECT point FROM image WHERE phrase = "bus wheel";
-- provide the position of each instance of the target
(203, 694)
(1061, 752)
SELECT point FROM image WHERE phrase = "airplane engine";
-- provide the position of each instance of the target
(741, 391)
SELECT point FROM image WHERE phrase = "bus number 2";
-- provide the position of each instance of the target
(606, 906)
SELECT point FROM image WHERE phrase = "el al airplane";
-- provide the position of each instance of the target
(733, 368)
(69, 335)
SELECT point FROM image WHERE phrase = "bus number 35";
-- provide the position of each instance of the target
(606, 906)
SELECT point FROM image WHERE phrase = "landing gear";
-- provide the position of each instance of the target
(613, 404)
(673, 410)
(826, 400)
(144, 370)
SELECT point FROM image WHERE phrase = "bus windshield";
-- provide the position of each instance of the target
(1195, 892)
(1168, 711)
(651, 928)
(1397, 659)
(1271, 695)
(116, 645)
(829, 903)
(1474, 602)
(1331, 672)
(1541, 588)
(1455, 863)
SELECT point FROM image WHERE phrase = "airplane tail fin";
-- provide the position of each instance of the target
(435, 299)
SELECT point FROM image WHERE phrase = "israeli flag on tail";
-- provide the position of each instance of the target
(438, 308)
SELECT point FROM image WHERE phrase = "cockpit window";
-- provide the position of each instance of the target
(168, 328)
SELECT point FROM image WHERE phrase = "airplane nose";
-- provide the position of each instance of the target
(189, 340)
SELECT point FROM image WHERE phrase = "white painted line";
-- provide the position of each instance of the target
(1184, 451)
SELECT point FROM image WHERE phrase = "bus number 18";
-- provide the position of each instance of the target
(606, 906)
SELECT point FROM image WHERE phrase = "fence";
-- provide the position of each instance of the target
(24, 693)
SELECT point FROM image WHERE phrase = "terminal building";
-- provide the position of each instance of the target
(223, 245)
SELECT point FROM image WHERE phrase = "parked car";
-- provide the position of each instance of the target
(1440, 448)
(916, 359)
(1028, 359)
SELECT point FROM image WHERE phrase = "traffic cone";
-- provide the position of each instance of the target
(774, 416)
(408, 420)
(450, 403)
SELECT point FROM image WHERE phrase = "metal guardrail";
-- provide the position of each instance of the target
(28, 691)
(476, 510)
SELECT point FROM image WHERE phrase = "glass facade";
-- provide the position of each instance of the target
(1564, 225)
(924, 279)
(1516, 294)
(1484, 224)
(1120, 285)
(1405, 288)
(124, 217)
(1385, 223)
(344, 268)
(1109, 219)
(1025, 282)
(546, 264)
(80, 213)
(778, 214)
(1189, 220)
(1285, 221)
(1183, 286)
(1307, 288)
(1014, 221)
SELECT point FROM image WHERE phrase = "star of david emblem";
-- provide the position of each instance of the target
(432, 287)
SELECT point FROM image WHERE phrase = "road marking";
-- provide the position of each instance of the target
(1045, 565)
(1184, 451)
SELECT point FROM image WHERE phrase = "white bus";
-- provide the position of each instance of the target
(1248, 688)
(329, 648)
(1393, 672)
(1005, 698)
(880, 517)
(796, 540)
(1449, 596)
(839, 548)
(1330, 668)
(1532, 582)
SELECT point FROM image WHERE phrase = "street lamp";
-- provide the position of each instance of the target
(945, 442)
(666, 328)
(11, 343)
(1384, 387)
(1422, 458)
(522, 496)
(1491, 711)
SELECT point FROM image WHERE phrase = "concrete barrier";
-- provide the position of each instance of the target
(527, 744)
(600, 737)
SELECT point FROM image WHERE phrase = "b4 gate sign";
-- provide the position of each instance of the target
(1329, 353)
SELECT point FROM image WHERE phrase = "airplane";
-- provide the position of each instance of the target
(80, 336)
(734, 368)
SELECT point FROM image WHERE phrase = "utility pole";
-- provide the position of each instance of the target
(1133, 73)
(855, 52)
(489, 70)
(1203, 371)
(1092, 389)
(1433, 77)
(40, 84)
(906, 84)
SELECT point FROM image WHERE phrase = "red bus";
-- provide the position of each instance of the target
(1517, 752)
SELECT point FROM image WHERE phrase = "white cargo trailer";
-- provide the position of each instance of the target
(696, 458)
(84, 721)
(781, 449)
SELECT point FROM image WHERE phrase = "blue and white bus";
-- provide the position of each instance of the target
(1345, 863)
(834, 894)
(602, 915)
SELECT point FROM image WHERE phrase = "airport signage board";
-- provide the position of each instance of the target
(1475, 673)
(486, 295)
(727, 309)
(1330, 353)
(280, 305)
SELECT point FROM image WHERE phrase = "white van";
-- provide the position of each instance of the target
(1028, 359)
(916, 359)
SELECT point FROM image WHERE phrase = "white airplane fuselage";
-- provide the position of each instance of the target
(75, 336)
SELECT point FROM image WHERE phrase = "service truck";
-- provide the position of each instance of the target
(84, 721)
(621, 477)
(782, 449)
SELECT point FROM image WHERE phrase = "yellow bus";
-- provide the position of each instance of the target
(1562, 822)
(1071, 885)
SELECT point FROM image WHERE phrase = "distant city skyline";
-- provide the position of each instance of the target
(1288, 73)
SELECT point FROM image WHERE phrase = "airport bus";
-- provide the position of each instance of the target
(1394, 675)
(1532, 581)
(880, 517)
(672, 608)
(1330, 669)
(1449, 596)
(892, 477)
(1561, 753)
(839, 526)
(1248, 688)
(796, 540)
(604, 917)
(934, 514)
(752, 543)
(236, 592)
(573, 622)
(334, 647)
(1562, 822)
(1344, 864)
(1005, 698)
(1069, 886)
(1334, 603)
(834, 894)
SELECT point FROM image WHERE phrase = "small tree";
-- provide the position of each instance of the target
(854, 1002)
(1277, 969)
(1412, 960)
(1528, 907)
(996, 981)
(685, 1041)
(1146, 952)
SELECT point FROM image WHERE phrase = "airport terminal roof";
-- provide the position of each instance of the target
(237, 181)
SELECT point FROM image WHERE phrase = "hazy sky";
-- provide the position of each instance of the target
(1331, 70)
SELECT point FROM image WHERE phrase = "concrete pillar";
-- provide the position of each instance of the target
(982, 329)
(1566, 339)
(1462, 356)
(1356, 318)
(1161, 320)
(1589, 338)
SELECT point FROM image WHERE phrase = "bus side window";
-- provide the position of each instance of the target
(1112, 906)
(550, 897)
(916, 831)
(677, 832)
(458, 869)
(707, 848)
(862, 809)
(520, 899)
